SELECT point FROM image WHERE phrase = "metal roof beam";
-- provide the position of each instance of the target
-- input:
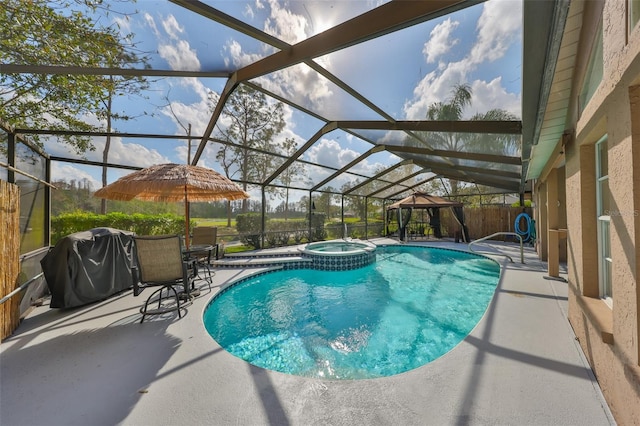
(385, 19)
(325, 129)
(468, 169)
(229, 87)
(467, 126)
(490, 158)
(230, 22)
(79, 70)
(398, 182)
(347, 167)
(382, 173)
(509, 184)
(411, 187)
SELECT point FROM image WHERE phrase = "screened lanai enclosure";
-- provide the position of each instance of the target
(318, 109)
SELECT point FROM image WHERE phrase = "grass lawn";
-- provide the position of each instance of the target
(220, 223)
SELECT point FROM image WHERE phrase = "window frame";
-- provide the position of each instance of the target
(633, 15)
(595, 69)
(605, 261)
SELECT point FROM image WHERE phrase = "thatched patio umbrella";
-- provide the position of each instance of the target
(173, 182)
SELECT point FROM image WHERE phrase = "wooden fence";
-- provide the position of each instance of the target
(9, 257)
(483, 221)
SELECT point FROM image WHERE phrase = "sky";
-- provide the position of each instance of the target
(402, 73)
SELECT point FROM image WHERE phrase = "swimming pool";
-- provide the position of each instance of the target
(411, 306)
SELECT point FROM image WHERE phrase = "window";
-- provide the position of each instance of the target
(593, 77)
(634, 13)
(604, 218)
(33, 209)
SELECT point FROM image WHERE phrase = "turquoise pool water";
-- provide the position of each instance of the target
(338, 246)
(411, 306)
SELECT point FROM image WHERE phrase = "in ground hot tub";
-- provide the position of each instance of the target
(340, 255)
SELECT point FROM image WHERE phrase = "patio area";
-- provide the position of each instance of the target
(97, 365)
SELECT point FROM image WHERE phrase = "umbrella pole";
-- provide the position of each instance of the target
(186, 218)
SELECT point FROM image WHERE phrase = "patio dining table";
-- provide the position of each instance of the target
(192, 254)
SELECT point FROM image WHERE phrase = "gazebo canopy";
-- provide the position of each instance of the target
(420, 200)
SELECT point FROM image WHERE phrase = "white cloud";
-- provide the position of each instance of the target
(285, 25)
(237, 57)
(119, 153)
(307, 86)
(152, 24)
(440, 41)
(123, 23)
(300, 83)
(329, 152)
(498, 27)
(197, 114)
(172, 27)
(435, 87)
(67, 172)
(248, 12)
(127, 153)
(176, 51)
(487, 96)
(180, 55)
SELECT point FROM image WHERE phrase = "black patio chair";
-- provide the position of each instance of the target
(160, 264)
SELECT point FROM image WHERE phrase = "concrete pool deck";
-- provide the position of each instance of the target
(96, 365)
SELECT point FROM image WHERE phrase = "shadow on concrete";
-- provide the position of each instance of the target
(88, 377)
(268, 396)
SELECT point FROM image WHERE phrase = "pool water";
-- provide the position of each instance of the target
(338, 247)
(411, 306)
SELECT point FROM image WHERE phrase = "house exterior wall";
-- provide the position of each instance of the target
(608, 335)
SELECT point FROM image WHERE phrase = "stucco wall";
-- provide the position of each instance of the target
(616, 362)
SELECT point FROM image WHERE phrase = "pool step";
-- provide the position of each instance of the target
(291, 251)
(291, 257)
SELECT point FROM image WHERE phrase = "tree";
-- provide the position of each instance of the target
(494, 143)
(253, 124)
(294, 172)
(453, 110)
(322, 201)
(58, 32)
(117, 86)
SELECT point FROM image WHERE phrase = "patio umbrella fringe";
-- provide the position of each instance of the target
(173, 183)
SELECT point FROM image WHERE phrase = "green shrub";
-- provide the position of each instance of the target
(375, 230)
(141, 224)
(249, 226)
(299, 235)
(527, 203)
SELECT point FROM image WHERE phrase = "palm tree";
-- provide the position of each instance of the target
(494, 143)
(452, 110)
